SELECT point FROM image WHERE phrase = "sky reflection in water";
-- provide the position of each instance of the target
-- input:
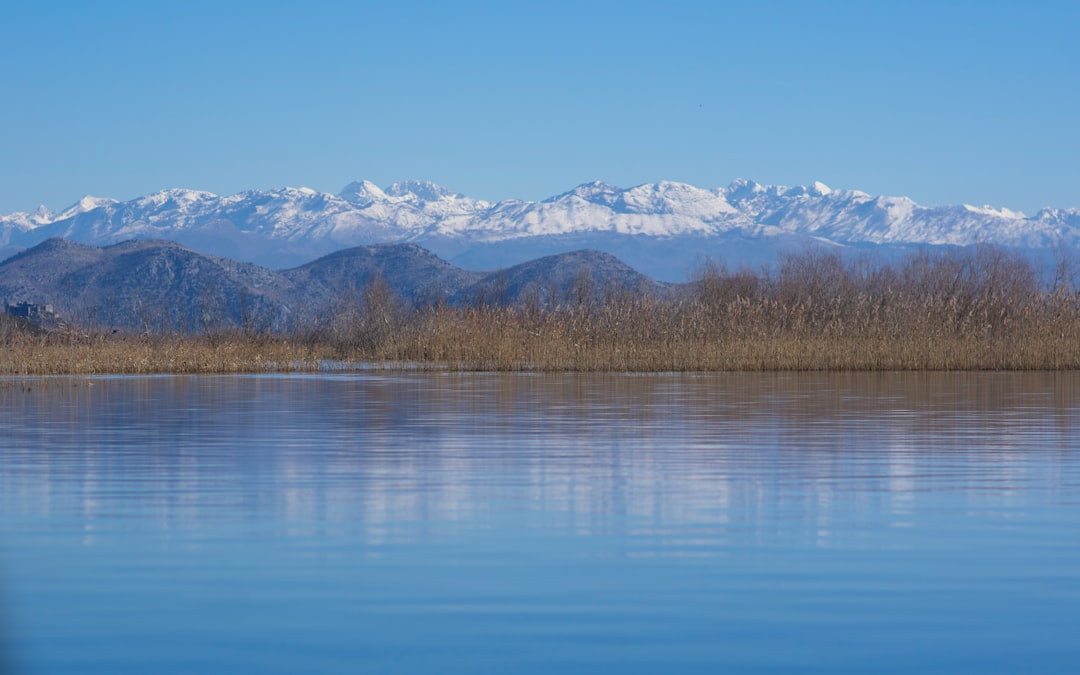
(510, 523)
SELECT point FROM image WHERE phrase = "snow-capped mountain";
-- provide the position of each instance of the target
(663, 229)
(853, 217)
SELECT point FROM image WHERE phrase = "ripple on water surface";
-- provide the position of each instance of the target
(444, 522)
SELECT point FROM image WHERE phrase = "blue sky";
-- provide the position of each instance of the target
(945, 102)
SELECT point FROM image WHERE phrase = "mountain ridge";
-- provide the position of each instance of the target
(742, 223)
(163, 286)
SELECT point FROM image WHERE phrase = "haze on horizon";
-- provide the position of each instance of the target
(943, 102)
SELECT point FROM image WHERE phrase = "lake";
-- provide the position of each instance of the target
(512, 523)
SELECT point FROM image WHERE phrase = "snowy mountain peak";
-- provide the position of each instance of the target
(421, 190)
(181, 195)
(84, 205)
(292, 193)
(991, 211)
(671, 197)
(741, 189)
(42, 215)
(745, 184)
(180, 198)
(814, 190)
(362, 193)
(595, 191)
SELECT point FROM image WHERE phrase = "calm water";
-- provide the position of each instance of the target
(533, 523)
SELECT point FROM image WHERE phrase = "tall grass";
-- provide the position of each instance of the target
(975, 309)
(114, 354)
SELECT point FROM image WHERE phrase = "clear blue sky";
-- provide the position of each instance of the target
(945, 102)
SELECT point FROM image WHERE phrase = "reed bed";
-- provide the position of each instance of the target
(505, 341)
(974, 310)
(121, 355)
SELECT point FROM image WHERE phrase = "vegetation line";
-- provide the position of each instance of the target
(978, 309)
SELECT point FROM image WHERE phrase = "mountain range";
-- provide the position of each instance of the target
(153, 285)
(664, 229)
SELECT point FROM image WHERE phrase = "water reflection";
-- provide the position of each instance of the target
(545, 523)
(392, 458)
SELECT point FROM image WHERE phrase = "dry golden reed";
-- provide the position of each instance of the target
(100, 355)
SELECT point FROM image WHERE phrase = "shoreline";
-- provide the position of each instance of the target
(502, 353)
